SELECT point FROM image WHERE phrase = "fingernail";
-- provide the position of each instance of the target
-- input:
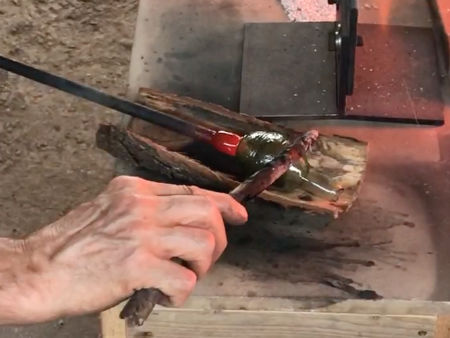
(243, 215)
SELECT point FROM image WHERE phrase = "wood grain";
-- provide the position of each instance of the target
(443, 326)
(112, 326)
(199, 324)
(220, 317)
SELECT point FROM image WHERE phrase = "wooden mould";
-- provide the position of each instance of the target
(179, 158)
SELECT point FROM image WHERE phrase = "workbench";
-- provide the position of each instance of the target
(291, 274)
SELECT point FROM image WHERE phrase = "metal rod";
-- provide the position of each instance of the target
(107, 100)
(356, 118)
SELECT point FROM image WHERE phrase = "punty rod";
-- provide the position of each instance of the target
(121, 105)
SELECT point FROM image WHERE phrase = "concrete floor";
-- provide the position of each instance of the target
(48, 159)
(36, 173)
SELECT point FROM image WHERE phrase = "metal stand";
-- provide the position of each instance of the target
(315, 71)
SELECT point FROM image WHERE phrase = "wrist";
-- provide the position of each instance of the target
(19, 303)
(11, 253)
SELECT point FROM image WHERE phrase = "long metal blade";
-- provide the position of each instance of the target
(106, 100)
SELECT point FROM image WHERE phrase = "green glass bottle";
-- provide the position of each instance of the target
(258, 148)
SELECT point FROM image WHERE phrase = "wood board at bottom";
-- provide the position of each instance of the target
(204, 317)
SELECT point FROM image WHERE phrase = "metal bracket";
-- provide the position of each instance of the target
(343, 41)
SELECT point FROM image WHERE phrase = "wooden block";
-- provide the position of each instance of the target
(202, 318)
(243, 324)
(112, 326)
(443, 327)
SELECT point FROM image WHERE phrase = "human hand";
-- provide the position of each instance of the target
(123, 240)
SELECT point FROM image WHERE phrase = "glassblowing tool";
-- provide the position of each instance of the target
(222, 141)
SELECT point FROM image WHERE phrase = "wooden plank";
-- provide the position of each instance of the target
(224, 317)
(112, 326)
(198, 323)
(380, 307)
(443, 327)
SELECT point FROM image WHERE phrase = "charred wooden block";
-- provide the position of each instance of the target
(341, 160)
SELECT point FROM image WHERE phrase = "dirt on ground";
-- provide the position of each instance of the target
(48, 159)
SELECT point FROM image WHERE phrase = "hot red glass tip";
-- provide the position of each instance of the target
(226, 142)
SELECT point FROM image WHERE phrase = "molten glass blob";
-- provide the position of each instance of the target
(258, 148)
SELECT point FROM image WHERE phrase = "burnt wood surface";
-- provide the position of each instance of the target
(177, 157)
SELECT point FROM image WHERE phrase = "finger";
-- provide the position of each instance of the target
(151, 213)
(232, 211)
(196, 212)
(194, 246)
(174, 280)
(139, 185)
